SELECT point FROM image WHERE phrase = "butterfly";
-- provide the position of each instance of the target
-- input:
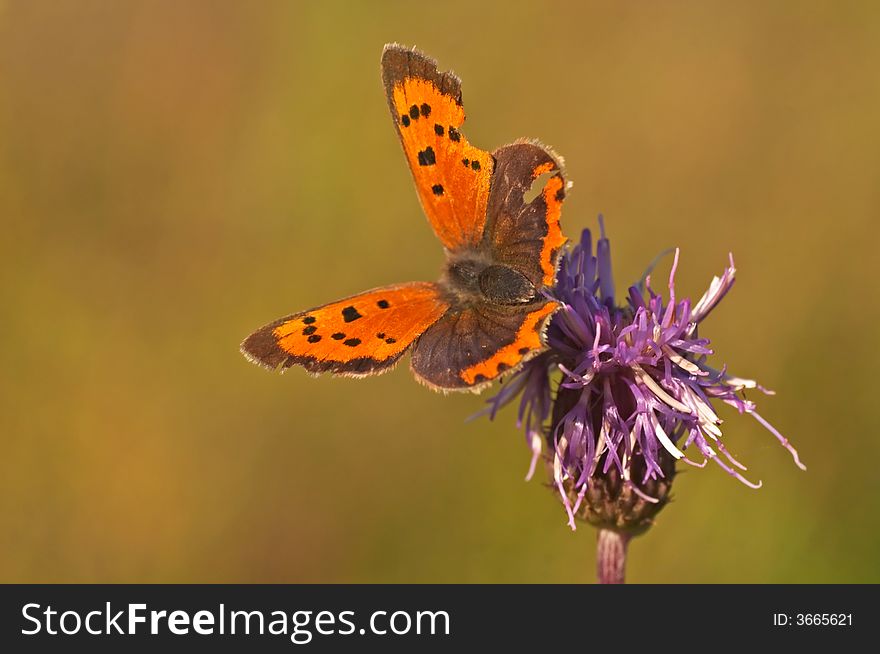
(488, 311)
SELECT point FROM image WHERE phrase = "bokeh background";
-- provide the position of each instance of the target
(176, 174)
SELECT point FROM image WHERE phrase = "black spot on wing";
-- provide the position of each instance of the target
(311, 329)
(438, 129)
(425, 109)
(352, 342)
(314, 338)
(308, 320)
(560, 194)
(383, 304)
(414, 112)
(427, 157)
(350, 314)
(338, 336)
(404, 120)
(454, 134)
(438, 189)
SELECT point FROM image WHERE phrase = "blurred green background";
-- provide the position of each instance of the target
(176, 174)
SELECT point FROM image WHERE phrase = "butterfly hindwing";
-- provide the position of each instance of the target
(520, 234)
(452, 177)
(473, 345)
(361, 335)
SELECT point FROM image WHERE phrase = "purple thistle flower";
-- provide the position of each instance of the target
(635, 392)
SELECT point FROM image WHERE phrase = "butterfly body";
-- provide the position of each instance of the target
(486, 313)
(472, 277)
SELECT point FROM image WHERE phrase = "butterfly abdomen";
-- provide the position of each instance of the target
(470, 277)
(505, 285)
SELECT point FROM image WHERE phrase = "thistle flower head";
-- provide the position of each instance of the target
(634, 395)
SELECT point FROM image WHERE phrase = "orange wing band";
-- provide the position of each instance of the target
(528, 338)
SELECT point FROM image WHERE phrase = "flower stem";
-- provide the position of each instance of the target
(611, 556)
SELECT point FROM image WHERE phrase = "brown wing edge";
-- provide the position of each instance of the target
(400, 62)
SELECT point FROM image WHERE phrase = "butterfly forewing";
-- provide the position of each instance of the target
(360, 335)
(452, 177)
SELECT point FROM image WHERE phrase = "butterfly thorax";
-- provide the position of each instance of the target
(471, 277)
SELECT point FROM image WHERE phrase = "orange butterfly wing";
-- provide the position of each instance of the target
(361, 335)
(452, 176)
